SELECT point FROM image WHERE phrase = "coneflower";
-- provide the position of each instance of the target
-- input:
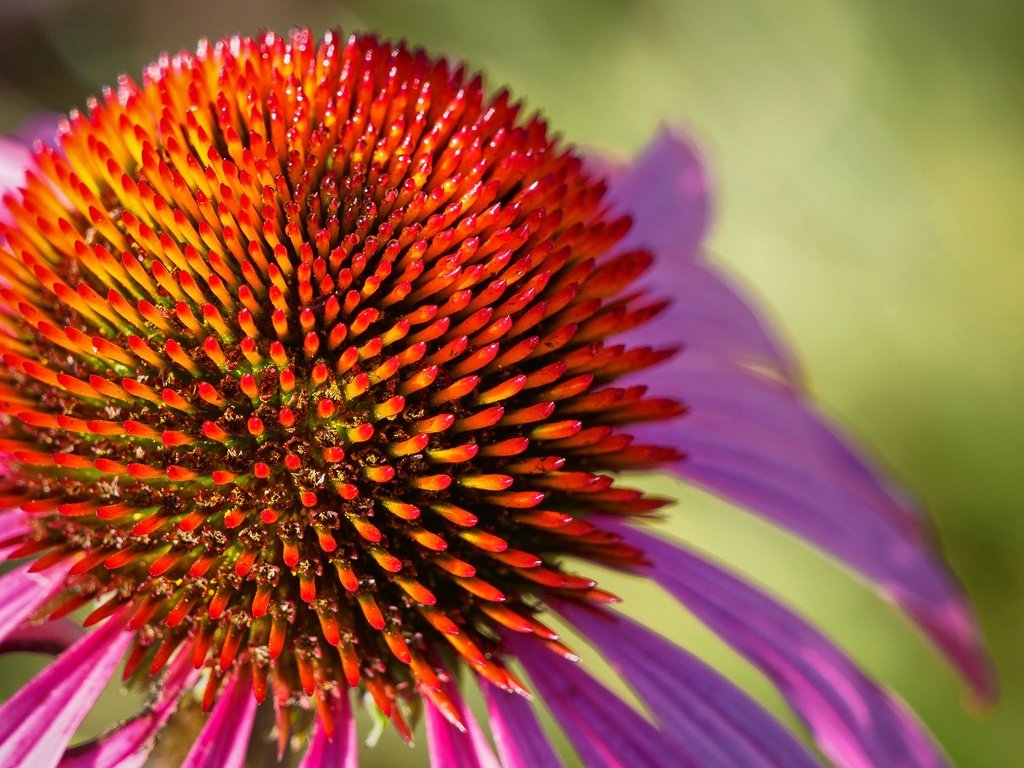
(320, 366)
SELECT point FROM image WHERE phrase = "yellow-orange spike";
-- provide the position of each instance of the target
(178, 354)
(143, 351)
(341, 290)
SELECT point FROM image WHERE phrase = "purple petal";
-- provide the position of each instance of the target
(665, 190)
(710, 314)
(50, 637)
(719, 724)
(604, 730)
(518, 736)
(854, 721)
(37, 723)
(41, 126)
(341, 751)
(449, 747)
(129, 745)
(22, 593)
(224, 740)
(756, 443)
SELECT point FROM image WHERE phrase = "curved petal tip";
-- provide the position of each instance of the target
(667, 191)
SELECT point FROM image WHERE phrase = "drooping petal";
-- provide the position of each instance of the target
(22, 593)
(339, 751)
(37, 723)
(755, 442)
(720, 724)
(666, 191)
(854, 721)
(520, 741)
(129, 745)
(224, 739)
(604, 730)
(452, 748)
(50, 637)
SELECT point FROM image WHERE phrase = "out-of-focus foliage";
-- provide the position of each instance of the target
(870, 189)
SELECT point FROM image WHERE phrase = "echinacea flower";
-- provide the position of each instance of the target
(320, 369)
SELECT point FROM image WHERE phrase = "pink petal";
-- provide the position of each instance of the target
(16, 152)
(719, 724)
(15, 157)
(756, 443)
(37, 723)
(129, 745)
(224, 740)
(340, 752)
(855, 722)
(604, 730)
(520, 741)
(22, 593)
(449, 747)
(50, 637)
(13, 523)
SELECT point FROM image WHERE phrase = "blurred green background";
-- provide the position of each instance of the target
(869, 190)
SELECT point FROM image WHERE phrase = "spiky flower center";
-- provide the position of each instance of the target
(305, 363)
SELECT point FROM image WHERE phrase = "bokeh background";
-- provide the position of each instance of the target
(869, 190)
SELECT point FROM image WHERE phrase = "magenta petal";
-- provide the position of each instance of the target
(754, 442)
(129, 745)
(37, 723)
(719, 724)
(854, 721)
(517, 735)
(15, 157)
(41, 126)
(50, 637)
(665, 190)
(12, 524)
(449, 747)
(224, 739)
(22, 593)
(604, 730)
(340, 752)
(710, 314)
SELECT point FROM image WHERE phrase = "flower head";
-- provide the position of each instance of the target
(320, 366)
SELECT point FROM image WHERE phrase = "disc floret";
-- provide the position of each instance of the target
(307, 368)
